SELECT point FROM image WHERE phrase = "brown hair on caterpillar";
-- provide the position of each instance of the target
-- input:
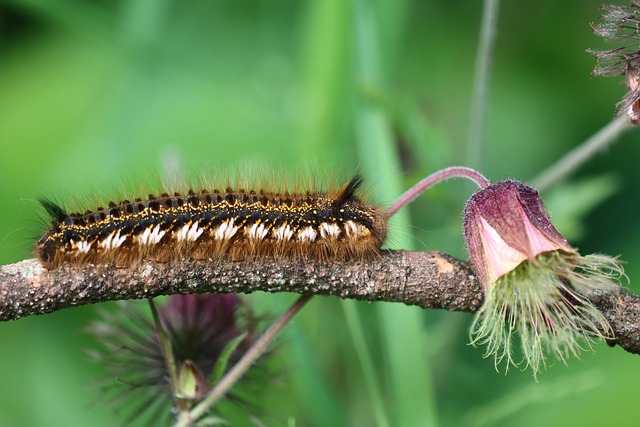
(235, 225)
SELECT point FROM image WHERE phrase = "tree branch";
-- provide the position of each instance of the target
(425, 279)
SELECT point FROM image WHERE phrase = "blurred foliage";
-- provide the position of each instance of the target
(97, 94)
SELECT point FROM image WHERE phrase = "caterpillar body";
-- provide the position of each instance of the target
(230, 224)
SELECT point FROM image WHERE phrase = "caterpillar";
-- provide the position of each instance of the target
(231, 224)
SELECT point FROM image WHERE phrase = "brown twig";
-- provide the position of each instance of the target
(425, 279)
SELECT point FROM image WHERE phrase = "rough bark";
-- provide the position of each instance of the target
(425, 279)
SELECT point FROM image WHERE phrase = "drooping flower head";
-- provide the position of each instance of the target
(199, 328)
(621, 24)
(536, 284)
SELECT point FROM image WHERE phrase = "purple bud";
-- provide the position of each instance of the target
(505, 224)
(536, 284)
(198, 327)
(201, 326)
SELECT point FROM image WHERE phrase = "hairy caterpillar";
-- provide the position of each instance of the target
(231, 224)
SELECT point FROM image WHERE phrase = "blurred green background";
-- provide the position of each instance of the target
(93, 94)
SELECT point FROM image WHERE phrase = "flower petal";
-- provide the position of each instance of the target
(499, 256)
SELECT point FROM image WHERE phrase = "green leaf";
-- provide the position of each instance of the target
(223, 360)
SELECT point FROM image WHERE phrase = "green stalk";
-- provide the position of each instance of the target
(481, 80)
(407, 365)
(167, 351)
(575, 158)
(354, 325)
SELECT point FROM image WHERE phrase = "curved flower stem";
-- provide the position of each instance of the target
(579, 155)
(481, 78)
(239, 369)
(434, 178)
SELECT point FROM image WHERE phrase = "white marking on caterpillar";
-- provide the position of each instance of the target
(113, 241)
(194, 232)
(283, 233)
(151, 236)
(257, 231)
(307, 234)
(329, 230)
(226, 230)
(351, 229)
(182, 233)
(118, 240)
(82, 246)
(106, 243)
(190, 233)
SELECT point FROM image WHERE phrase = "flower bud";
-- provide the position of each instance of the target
(192, 384)
(199, 328)
(536, 284)
(505, 224)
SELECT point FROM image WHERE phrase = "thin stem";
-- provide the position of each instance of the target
(167, 350)
(481, 81)
(579, 155)
(434, 178)
(239, 369)
(371, 377)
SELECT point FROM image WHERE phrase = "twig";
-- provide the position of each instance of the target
(425, 279)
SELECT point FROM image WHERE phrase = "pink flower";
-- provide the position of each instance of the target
(536, 284)
(505, 224)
